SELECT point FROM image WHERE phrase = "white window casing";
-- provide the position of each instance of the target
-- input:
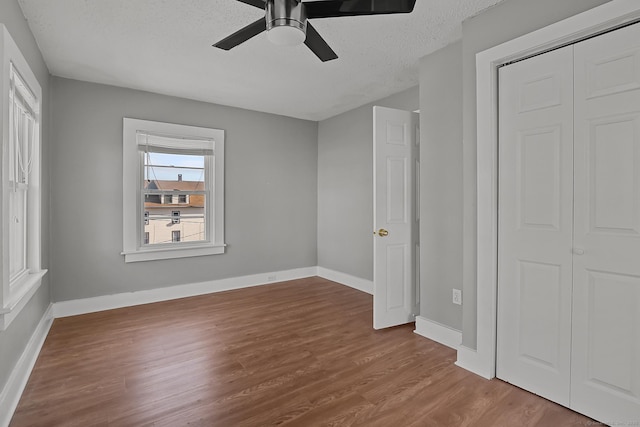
(20, 215)
(143, 136)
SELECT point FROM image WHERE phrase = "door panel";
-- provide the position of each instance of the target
(538, 154)
(396, 276)
(535, 224)
(611, 72)
(614, 164)
(606, 306)
(612, 300)
(395, 296)
(396, 202)
(540, 306)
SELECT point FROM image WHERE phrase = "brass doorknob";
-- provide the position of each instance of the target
(383, 233)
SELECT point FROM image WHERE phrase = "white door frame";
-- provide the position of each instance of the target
(608, 16)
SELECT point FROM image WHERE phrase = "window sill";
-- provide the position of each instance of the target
(170, 253)
(27, 288)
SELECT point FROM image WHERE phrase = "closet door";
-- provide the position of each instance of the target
(606, 304)
(535, 224)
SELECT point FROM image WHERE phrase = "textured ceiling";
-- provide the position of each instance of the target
(164, 46)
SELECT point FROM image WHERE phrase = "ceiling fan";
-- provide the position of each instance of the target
(286, 21)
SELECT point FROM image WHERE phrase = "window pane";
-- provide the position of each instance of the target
(174, 171)
(162, 221)
(17, 232)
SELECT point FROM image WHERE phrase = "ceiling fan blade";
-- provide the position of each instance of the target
(257, 3)
(318, 46)
(337, 8)
(242, 35)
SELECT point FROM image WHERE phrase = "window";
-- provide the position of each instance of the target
(20, 213)
(22, 126)
(167, 164)
(175, 217)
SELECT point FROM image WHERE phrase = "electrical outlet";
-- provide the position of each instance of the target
(272, 278)
(457, 296)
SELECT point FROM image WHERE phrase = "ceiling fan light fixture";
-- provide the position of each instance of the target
(286, 22)
(286, 35)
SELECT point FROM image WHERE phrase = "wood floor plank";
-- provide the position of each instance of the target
(298, 353)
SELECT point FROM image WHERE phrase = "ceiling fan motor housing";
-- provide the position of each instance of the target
(286, 13)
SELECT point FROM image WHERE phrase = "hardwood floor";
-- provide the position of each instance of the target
(299, 353)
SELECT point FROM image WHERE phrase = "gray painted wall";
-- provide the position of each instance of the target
(441, 184)
(497, 25)
(345, 186)
(14, 340)
(270, 195)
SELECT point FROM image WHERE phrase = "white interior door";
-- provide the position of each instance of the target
(569, 226)
(535, 224)
(394, 243)
(606, 305)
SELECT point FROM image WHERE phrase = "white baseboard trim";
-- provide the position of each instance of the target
(438, 332)
(470, 360)
(17, 381)
(128, 299)
(347, 280)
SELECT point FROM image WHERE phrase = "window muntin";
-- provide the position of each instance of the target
(177, 174)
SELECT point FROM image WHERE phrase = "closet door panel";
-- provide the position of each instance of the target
(535, 224)
(606, 292)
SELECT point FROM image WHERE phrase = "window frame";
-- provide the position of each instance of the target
(14, 295)
(133, 209)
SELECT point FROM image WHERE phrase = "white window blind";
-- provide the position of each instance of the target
(174, 144)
